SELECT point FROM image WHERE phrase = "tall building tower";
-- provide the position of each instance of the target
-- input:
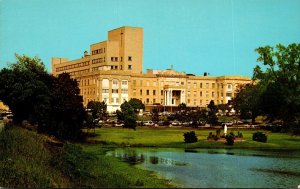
(122, 51)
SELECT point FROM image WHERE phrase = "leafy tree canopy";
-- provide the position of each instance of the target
(280, 79)
(53, 103)
(136, 104)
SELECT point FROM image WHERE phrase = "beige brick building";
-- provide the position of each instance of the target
(112, 72)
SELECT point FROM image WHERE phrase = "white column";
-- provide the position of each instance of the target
(170, 97)
(165, 97)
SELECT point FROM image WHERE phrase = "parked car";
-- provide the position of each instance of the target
(148, 123)
(119, 124)
(160, 123)
(176, 123)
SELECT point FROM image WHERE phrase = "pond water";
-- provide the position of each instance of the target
(218, 168)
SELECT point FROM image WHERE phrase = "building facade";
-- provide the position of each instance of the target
(112, 73)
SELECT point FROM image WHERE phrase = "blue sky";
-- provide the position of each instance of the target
(195, 36)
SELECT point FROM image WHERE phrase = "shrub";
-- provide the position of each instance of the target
(230, 138)
(259, 137)
(240, 135)
(190, 137)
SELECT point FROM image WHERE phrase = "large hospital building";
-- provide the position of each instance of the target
(113, 72)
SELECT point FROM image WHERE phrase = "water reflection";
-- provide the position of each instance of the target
(218, 168)
(135, 158)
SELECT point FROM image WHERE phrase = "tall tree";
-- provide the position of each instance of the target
(53, 103)
(281, 78)
(212, 111)
(136, 104)
(68, 112)
(98, 109)
(248, 101)
(127, 115)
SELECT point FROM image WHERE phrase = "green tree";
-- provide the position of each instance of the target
(155, 116)
(67, 113)
(98, 109)
(24, 88)
(136, 104)
(248, 101)
(53, 103)
(281, 79)
(127, 115)
(212, 110)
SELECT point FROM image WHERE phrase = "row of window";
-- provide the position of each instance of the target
(177, 83)
(98, 60)
(81, 64)
(114, 100)
(123, 91)
(79, 72)
(228, 94)
(98, 51)
(201, 102)
(116, 59)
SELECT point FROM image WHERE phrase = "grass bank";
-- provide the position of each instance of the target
(31, 160)
(166, 137)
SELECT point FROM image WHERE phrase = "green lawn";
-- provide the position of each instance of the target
(173, 138)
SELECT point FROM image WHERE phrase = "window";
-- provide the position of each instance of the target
(117, 100)
(147, 92)
(195, 94)
(189, 84)
(124, 91)
(129, 67)
(212, 94)
(134, 92)
(207, 85)
(104, 90)
(154, 100)
(114, 90)
(112, 59)
(112, 100)
(116, 59)
(129, 58)
(201, 85)
(200, 93)
(116, 67)
(124, 82)
(121, 58)
(182, 83)
(207, 94)
(161, 92)
(195, 85)
(154, 92)
(189, 101)
(200, 102)
(115, 82)
(134, 83)
(147, 83)
(195, 102)
(228, 94)
(229, 87)
(213, 85)
(188, 93)
(141, 92)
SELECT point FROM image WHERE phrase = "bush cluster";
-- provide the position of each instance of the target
(259, 137)
(190, 137)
